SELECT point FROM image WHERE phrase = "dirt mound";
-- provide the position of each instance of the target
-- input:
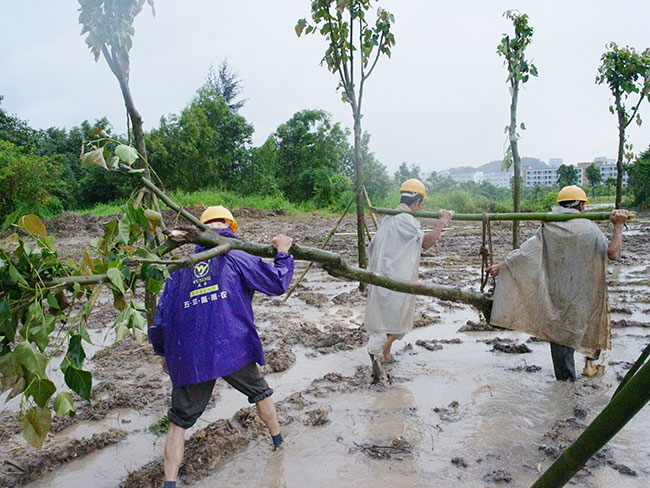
(69, 224)
(27, 464)
(257, 212)
(174, 219)
(205, 449)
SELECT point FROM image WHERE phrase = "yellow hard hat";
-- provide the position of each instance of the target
(572, 193)
(414, 185)
(219, 212)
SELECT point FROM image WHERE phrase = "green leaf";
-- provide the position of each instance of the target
(75, 354)
(126, 153)
(33, 360)
(10, 371)
(124, 230)
(18, 388)
(523, 126)
(121, 331)
(84, 333)
(79, 381)
(118, 300)
(94, 157)
(116, 278)
(153, 216)
(16, 277)
(138, 171)
(136, 320)
(40, 335)
(300, 26)
(36, 425)
(4, 309)
(52, 301)
(10, 220)
(40, 390)
(32, 224)
(63, 404)
(154, 286)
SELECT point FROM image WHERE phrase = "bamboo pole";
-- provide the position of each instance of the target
(372, 214)
(544, 217)
(323, 245)
(622, 407)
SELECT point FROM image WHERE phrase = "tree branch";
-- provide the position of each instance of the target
(171, 204)
(381, 41)
(634, 111)
(332, 262)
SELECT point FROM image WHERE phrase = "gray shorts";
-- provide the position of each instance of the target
(189, 401)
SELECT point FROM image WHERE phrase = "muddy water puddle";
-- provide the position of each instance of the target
(462, 403)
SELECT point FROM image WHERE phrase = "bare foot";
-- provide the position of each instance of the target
(591, 368)
(390, 338)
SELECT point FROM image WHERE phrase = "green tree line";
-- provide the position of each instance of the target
(208, 145)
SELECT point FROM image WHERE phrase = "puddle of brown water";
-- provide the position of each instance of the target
(500, 423)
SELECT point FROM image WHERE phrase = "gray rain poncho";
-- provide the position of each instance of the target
(554, 287)
(394, 252)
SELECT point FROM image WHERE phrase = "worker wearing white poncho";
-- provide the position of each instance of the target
(554, 287)
(395, 252)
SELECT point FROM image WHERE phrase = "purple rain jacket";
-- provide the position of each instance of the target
(204, 322)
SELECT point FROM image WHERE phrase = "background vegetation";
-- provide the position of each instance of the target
(204, 155)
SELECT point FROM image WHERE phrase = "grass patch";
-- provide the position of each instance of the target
(217, 197)
(102, 209)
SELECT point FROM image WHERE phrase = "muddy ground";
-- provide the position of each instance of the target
(464, 405)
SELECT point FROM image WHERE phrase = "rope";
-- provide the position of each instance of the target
(487, 257)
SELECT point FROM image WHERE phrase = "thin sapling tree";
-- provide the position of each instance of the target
(354, 47)
(513, 48)
(627, 74)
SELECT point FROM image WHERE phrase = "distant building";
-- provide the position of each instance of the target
(500, 178)
(607, 170)
(540, 177)
(603, 159)
(497, 178)
(475, 176)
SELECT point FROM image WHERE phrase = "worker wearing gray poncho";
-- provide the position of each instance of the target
(554, 287)
(395, 252)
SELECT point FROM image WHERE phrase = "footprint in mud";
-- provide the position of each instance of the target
(448, 413)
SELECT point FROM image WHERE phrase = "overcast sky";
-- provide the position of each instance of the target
(440, 101)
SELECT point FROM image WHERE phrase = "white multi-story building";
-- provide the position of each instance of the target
(607, 170)
(497, 178)
(500, 178)
(476, 177)
(540, 177)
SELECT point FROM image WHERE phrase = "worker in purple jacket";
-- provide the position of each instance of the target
(205, 330)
